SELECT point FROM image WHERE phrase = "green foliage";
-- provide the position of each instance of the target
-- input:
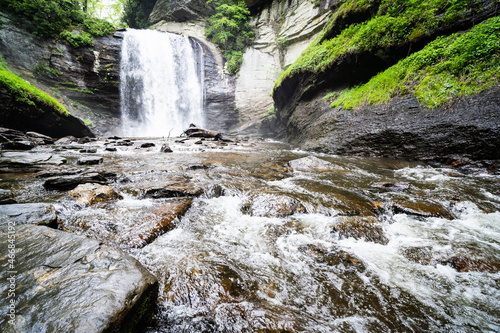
(77, 40)
(25, 92)
(394, 23)
(452, 66)
(133, 15)
(57, 19)
(230, 29)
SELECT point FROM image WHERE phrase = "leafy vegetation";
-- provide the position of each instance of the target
(389, 23)
(452, 66)
(230, 29)
(57, 19)
(134, 14)
(25, 92)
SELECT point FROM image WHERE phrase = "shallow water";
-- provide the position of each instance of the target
(232, 264)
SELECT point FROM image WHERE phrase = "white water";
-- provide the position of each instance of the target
(161, 83)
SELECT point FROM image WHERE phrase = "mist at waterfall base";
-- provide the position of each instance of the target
(161, 84)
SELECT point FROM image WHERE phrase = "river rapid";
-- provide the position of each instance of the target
(365, 245)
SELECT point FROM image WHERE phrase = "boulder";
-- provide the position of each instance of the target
(91, 160)
(166, 149)
(66, 140)
(312, 164)
(269, 205)
(25, 162)
(66, 183)
(17, 140)
(6, 197)
(90, 194)
(70, 283)
(357, 227)
(29, 213)
(147, 145)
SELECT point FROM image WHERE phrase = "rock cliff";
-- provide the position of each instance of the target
(402, 126)
(84, 80)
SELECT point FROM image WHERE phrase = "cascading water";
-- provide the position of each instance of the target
(161, 83)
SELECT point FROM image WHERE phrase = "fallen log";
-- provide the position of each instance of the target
(197, 132)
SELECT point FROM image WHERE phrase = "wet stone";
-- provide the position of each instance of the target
(23, 162)
(63, 170)
(147, 145)
(29, 213)
(66, 140)
(90, 194)
(89, 160)
(166, 149)
(88, 151)
(311, 164)
(66, 183)
(69, 283)
(110, 149)
(269, 205)
(6, 197)
(164, 219)
(421, 209)
(172, 191)
(357, 227)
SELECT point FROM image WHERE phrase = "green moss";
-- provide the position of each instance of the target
(449, 67)
(43, 70)
(25, 92)
(395, 23)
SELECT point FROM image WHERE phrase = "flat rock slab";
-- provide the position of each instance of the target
(16, 162)
(66, 183)
(69, 283)
(29, 213)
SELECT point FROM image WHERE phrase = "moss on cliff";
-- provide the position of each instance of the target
(24, 92)
(453, 66)
(385, 25)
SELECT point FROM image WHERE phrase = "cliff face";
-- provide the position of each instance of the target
(85, 80)
(283, 30)
(400, 126)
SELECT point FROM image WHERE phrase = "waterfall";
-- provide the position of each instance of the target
(161, 83)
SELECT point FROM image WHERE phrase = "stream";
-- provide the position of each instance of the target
(364, 245)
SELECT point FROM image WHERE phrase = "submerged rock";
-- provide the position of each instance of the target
(421, 209)
(29, 213)
(268, 205)
(6, 197)
(90, 194)
(69, 283)
(367, 228)
(312, 163)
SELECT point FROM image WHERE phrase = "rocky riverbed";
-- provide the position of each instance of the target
(245, 236)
